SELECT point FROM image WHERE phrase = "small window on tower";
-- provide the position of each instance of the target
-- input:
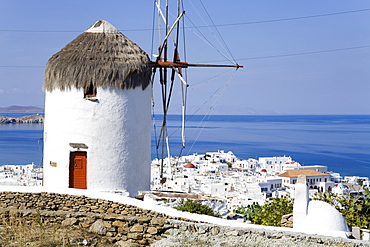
(90, 92)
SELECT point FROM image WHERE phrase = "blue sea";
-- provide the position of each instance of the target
(21, 144)
(341, 142)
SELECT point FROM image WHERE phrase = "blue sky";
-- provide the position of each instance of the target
(299, 57)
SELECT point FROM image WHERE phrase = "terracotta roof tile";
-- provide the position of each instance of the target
(307, 172)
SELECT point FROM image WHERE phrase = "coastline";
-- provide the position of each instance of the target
(32, 119)
(337, 141)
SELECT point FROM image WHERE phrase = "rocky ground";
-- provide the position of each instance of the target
(41, 236)
(198, 234)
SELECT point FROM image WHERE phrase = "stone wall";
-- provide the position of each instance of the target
(287, 220)
(80, 220)
(198, 234)
(111, 222)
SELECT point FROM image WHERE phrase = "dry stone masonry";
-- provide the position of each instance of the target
(103, 222)
(83, 221)
(198, 234)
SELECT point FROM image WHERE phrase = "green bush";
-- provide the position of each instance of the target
(269, 214)
(356, 210)
(195, 206)
(272, 212)
(250, 212)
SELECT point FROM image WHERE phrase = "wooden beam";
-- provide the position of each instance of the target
(186, 65)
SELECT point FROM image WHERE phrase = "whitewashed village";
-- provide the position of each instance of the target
(228, 182)
(21, 175)
(220, 179)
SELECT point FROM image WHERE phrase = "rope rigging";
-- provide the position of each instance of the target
(175, 67)
(211, 109)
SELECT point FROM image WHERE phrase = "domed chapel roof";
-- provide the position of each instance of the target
(189, 165)
(101, 56)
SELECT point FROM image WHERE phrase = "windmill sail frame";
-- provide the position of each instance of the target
(163, 65)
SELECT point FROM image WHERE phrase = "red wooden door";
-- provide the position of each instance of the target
(77, 170)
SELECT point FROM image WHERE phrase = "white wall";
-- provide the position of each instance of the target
(116, 129)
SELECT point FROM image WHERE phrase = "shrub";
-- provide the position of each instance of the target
(272, 212)
(195, 206)
(250, 212)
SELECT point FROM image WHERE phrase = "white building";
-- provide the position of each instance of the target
(318, 168)
(366, 183)
(97, 113)
(269, 185)
(18, 169)
(21, 175)
(355, 179)
(221, 156)
(249, 164)
(277, 164)
(341, 190)
(315, 180)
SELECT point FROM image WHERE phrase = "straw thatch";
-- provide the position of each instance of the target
(98, 59)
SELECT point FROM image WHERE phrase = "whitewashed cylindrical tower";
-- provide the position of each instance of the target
(97, 113)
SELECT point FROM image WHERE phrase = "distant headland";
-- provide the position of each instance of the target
(20, 109)
(37, 118)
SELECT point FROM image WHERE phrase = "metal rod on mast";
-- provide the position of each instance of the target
(186, 65)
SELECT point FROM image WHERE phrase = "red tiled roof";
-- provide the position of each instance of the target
(307, 172)
(189, 165)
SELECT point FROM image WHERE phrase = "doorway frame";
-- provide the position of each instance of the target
(78, 170)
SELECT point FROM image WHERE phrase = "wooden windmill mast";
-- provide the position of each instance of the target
(162, 64)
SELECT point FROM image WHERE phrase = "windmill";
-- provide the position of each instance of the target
(169, 66)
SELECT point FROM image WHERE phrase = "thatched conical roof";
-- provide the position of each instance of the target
(101, 56)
